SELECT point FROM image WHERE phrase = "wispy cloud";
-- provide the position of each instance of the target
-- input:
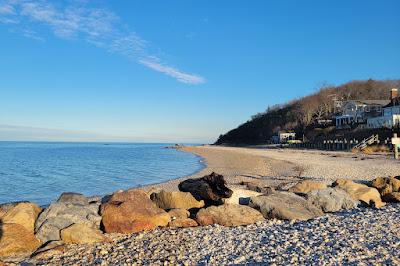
(156, 65)
(98, 26)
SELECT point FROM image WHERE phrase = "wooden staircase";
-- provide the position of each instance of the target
(366, 142)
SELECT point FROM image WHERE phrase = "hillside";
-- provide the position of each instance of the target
(301, 115)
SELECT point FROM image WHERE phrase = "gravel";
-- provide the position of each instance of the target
(361, 236)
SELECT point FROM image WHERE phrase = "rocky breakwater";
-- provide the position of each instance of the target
(27, 230)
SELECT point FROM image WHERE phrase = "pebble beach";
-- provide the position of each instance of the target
(366, 236)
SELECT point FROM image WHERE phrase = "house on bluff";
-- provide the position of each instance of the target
(357, 112)
(390, 115)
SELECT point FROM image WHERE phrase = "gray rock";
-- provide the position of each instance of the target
(285, 206)
(61, 215)
(49, 230)
(331, 199)
(73, 198)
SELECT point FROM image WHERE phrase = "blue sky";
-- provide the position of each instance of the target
(178, 71)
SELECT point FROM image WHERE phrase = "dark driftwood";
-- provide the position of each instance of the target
(210, 188)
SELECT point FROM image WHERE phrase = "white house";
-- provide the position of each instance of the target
(390, 115)
(283, 137)
(358, 111)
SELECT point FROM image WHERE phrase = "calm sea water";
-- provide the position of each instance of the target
(40, 172)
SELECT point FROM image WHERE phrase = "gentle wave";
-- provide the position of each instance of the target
(41, 171)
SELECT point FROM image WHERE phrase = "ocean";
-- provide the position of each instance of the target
(41, 171)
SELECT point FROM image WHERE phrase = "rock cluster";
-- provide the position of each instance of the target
(74, 219)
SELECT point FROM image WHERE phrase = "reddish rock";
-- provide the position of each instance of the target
(132, 211)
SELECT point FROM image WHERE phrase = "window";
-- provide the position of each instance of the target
(367, 109)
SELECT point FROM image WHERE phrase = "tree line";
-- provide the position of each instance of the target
(301, 115)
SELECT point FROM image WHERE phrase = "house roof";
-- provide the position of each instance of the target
(374, 102)
(394, 102)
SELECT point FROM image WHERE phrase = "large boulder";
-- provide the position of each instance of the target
(241, 196)
(73, 198)
(306, 186)
(23, 213)
(361, 192)
(386, 187)
(60, 215)
(132, 211)
(228, 215)
(210, 188)
(17, 241)
(285, 206)
(175, 200)
(82, 233)
(331, 199)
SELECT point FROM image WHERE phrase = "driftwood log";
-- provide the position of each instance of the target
(210, 188)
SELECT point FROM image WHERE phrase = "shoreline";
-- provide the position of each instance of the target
(336, 238)
(271, 167)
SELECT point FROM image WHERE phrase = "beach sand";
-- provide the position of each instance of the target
(361, 235)
(273, 167)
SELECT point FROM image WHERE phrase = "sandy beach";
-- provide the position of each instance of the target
(273, 167)
(361, 235)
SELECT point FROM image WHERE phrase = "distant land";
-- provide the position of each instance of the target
(301, 115)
